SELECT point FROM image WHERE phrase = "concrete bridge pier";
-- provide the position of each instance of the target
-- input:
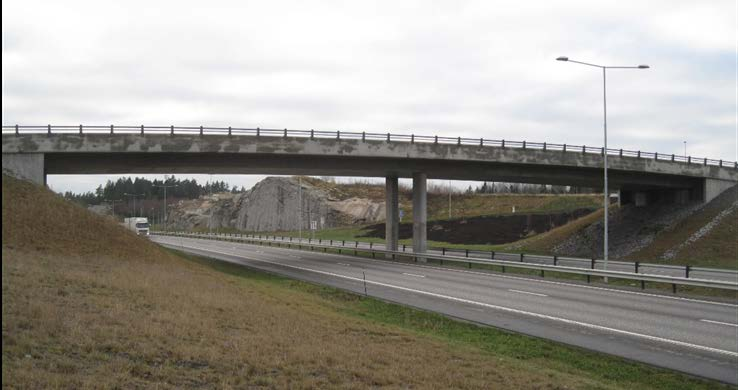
(420, 213)
(27, 166)
(392, 210)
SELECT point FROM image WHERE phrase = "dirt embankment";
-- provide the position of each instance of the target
(499, 229)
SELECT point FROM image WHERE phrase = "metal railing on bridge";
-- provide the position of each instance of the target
(364, 136)
(641, 272)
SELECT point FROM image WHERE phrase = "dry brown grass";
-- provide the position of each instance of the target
(133, 315)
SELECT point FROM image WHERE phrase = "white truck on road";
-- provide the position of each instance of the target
(140, 225)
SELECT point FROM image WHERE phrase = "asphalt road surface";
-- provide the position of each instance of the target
(695, 336)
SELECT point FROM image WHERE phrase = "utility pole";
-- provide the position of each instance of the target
(166, 218)
(134, 201)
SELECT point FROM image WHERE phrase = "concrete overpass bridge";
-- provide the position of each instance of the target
(33, 152)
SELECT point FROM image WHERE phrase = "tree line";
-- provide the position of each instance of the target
(523, 188)
(125, 188)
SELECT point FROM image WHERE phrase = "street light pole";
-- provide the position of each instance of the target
(134, 201)
(166, 217)
(604, 150)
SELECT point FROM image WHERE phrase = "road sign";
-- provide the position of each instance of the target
(402, 214)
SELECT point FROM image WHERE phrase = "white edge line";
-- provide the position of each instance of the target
(496, 275)
(488, 305)
(720, 323)
(416, 275)
(506, 277)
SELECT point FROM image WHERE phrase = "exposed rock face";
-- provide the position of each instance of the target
(273, 205)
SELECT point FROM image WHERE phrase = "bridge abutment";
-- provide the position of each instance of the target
(714, 187)
(420, 213)
(26, 166)
(392, 210)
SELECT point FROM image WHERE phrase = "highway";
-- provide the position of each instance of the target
(695, 336)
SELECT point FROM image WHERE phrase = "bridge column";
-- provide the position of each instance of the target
(420, 213)
(392, 209)
(27, 166)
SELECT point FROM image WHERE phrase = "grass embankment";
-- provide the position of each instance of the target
(86, 304)
(462, 205)
(718, 248)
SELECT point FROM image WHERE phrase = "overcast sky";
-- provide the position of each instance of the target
(453, 68)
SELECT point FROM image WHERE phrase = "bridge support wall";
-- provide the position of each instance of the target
(27, 166)
(714, 187)
(392, 208)
(420, 213)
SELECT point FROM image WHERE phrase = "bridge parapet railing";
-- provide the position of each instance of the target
(353, 135)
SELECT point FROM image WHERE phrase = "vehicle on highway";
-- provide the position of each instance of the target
(140, 225)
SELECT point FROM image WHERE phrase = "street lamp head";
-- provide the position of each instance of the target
(562, 58)
(643, 66)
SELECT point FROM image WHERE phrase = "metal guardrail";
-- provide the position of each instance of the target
(348, 135)
(588, 272)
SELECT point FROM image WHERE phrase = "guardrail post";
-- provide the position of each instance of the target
(111, 129)
(201, 130)
(544, 146)
(673, 288)
(672, 157)
(503, 144)
(142, 129)
(312, 134)
(584, 149)
(343, 243)
(403, 247)
(467, 253)
(412, 138)
(643, 284)
(686, 271)
(639, 154)
(338, 134)
(705, 160)
(370, 245)
(436, 140)
(492, 255)
(363, 136)
(285, 133)
(80, 129)
(656, 156)
(521, 257)
(230, 131)
(48, 129)
(564, 150)
(689, 160)
(443, 251)
(721, 163)
(258, 131)
(636, 264)
(556, 260)
(603, 151)
(16, 129)
(523, 144)
(459, 142)
(388, 137)
(621, 152)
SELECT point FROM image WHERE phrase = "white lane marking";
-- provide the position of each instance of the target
(487, 274)
(720, 323)
(296, 257)
(488, 305)
(346, 264)
(416, 275)
(527, 292)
